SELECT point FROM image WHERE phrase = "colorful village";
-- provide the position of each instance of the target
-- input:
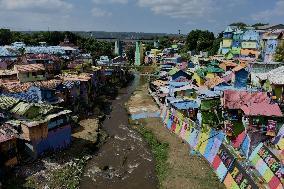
(40, 95)
(228, 108)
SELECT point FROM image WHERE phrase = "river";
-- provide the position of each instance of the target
(125, 160)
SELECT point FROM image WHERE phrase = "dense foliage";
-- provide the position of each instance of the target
(198, 40)
(279, 55)
(130, 54)
(97, 48)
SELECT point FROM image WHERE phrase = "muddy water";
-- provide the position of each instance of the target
(124, 161)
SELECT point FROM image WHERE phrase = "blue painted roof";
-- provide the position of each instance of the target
(223, 88)
(178, 84)
(185, 105)
(208, 93)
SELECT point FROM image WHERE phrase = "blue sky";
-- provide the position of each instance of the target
(166, 16)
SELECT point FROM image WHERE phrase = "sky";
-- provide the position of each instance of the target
(154, 16)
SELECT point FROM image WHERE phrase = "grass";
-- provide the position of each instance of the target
(238, 128)
(70, 175)
(159, 150)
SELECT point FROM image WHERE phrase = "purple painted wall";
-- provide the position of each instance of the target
(57, 139)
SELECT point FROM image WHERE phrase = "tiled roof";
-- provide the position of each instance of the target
(214, 82)
(4, 138)
(236, 99)
(29, 68)
(224, 65)
(16, 87)
(7, 72)
(24, 87)
(160, 83)
(262, 109)
(50, 84)
(81, 77)
(239, 67)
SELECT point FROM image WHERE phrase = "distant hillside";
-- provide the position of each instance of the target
(118, 35)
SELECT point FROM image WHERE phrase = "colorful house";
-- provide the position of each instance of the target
(139, 53)
(30, 72)
(8, 150)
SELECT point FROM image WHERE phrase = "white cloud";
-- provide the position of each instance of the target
(35, 5)
(187, 8)
(97, 12)
(110, 1)
(277, 10)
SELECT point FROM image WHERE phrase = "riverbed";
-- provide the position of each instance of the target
(125, 160)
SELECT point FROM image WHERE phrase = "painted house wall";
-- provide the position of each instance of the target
(227, 43)
(58, 122)
(8, 151)
(57, 139)
(249, 51)
(35, 133)
(241, 78)
(138, 54)
(236, 44)
(225, 50)
(249, 45)
(251, 35)
(3, 65)
(30, 77)
(198, 79)
(236, 51)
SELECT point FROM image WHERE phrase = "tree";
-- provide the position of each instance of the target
(130, 54)
(149, 46)
(165, 42)
(279, 55)
(259, 24)
(191, 40)
(198, 40)
(239, 24)
(5, 37)
(216, 45)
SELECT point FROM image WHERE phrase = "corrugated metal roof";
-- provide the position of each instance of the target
(7, 102)
(185, 105)
(236, 99)
(211, 83)
(262, 109)
(29, 68)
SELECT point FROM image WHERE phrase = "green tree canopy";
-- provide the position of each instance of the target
(130, 54)
(96, 48)
(279, 55)
(239, 24)
(198, 40)
(259, 24)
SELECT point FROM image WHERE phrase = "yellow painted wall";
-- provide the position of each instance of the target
(227, 43)
(198, 79)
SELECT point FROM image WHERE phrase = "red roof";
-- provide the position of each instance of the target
(29, 68)
(4, 138)
(262, 109)
(236, 99)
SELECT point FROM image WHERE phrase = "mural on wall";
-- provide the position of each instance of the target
(268, 166)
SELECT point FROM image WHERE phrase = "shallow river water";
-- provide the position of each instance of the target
(125, 160)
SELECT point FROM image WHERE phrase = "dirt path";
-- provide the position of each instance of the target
(185, 171)
(125, 160)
